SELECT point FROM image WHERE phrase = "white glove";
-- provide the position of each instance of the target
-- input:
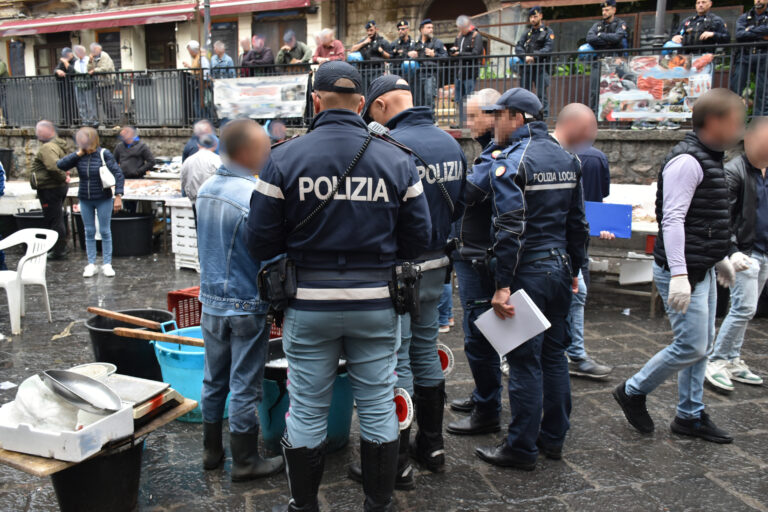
(679, 293)
(740, 261)
(726, 275)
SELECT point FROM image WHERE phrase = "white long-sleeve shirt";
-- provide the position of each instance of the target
(196, 169)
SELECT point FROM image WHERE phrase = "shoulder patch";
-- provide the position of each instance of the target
(624, 26)
(500, 170)
(496, 154)
(551, 36)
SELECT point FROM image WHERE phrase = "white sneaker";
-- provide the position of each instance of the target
(108, 271)
(90, 270)
(444, 329)
(740, 372)
(717, 374)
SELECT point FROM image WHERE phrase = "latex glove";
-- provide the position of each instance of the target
(740, 261)
(726, 275)
(679, 293)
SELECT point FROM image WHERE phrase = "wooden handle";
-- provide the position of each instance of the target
(157, 336)
(129, 319)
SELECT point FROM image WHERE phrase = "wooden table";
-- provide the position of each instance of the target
(44, 466)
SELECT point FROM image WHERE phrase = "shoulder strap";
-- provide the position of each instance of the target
(102, 157)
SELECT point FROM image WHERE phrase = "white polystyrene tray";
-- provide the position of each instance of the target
(69, 446)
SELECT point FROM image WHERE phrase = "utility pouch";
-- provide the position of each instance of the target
(404, 289)
(277, 283)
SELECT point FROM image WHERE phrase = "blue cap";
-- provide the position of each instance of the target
(65, 51)
(518, 99)
(331, 72)
(370, 24)
(608, 3)
(425, 21)
(402, 23)
(383, 85)
(533, 10)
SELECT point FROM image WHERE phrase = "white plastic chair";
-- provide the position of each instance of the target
(29, 271)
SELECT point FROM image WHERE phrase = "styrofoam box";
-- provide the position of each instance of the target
(69, 446)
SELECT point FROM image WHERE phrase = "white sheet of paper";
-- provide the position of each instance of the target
(508, 334)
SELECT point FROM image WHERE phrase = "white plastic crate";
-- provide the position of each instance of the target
(184, 235)
(183, 261)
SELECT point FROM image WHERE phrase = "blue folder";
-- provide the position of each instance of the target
(616, 218)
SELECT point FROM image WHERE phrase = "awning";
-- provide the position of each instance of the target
(163, 13)
(562, 3)
(226, 7)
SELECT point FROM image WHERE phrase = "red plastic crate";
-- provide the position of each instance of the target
(275, 332)
(185, 306)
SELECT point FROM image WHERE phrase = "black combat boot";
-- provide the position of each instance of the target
(304, 468)
(213, 447)
(379, 463)
(247, 464)
(404, 480)
(428, 447)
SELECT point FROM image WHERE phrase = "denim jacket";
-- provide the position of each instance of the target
(227, 271)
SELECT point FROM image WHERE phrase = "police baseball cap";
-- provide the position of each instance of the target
(370, 24)
(534, 10)
(383, 85)
(402, 23)
(425, 21)
(329, 73)
(519, 100)
(608, 3)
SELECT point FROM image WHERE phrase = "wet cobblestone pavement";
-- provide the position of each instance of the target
(606, 465)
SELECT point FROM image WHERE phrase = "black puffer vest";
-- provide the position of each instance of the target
(707, 224)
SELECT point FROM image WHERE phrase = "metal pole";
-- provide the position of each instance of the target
(659, 34)
(207, 23)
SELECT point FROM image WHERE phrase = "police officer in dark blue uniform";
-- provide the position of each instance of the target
(703, 28)
(610, 33)
(427, 49)
(343, 206)
(375, 49)
(752, 27)
(534, 49)
(540, 235)
(442, 165)
(404, 42)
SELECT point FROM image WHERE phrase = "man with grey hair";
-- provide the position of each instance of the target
(222, 65)
(51, 183)
(199, 129)
(468, 47)
(200, 166)
(101, 63)
(329, 48)
(84, 89)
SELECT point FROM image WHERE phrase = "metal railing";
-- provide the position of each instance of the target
(178, 98)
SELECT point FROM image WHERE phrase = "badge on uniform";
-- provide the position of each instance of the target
(500, 170)
(403, 408)
(496, 154)
(446, 359)
(551, 36)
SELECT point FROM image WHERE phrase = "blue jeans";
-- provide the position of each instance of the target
(576, 349)
(744, 296)
(313, 342)
(445, 308)
(539, 385)
(89, 210)
(476, 288)
(235, 354)
(464, 87)
(417, 359)
(686, 356)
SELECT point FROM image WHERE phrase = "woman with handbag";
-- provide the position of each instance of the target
(98, 172)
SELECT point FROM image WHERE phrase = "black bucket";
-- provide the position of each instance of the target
(107, 482)
(131, 356)
(131, 234)
(31, 219)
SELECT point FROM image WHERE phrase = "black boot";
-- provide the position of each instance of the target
(247, 464)
(404, 480)
(428, 447)
(213, 447)
(304, 467)
(379, 463)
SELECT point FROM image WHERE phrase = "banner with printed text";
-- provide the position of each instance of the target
(261, 97)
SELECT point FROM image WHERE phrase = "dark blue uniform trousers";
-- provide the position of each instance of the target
(539, 386)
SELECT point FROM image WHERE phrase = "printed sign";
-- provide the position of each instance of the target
(652, 87)
(261, 97)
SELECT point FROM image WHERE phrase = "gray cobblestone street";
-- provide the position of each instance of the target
(606, 464)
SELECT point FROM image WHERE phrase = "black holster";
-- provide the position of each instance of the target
(277, 283)
(404, 289)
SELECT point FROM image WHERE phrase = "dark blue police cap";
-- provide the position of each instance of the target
(382, 85)
(332, 71)
(402, 23)
(425, 21)
(518, 99)
(608, 3)
(370, 24)
(533, 10)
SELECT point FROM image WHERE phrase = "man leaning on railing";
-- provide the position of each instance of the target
(222, 65)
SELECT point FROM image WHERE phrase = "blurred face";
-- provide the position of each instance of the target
(291, 43)
(756, 146)
(219, 50)
(608, 12)
(703, 7)
(80, 52)
(478, 122)
(505, 123)
(255, 154)
(127, 134)
(68, 55)
(535, 19)
(427, 30)
(43, 133)
(402, 32)
(327, 39)
(245, 44)
(722, 133)
(193, 51)
(760, 5)
(465, 30)
(371, 31)
(258, 44)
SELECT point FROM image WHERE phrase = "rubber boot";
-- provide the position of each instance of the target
(379, 463)
(404, 480)
(213, 447)
(304, 468)
(247, 464)
(428, 448)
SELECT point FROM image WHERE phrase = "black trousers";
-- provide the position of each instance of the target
(52, 201)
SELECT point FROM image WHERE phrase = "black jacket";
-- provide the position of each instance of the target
(135, 160)
(69, 70)
(608, 36)
(470, 45)
(742, 187)
(692, 27)
(536, 42)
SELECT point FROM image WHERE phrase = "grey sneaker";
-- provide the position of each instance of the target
(588, 368)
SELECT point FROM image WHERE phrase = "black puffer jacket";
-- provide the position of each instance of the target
(708, 221)
(88, 171)
(742, 184)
